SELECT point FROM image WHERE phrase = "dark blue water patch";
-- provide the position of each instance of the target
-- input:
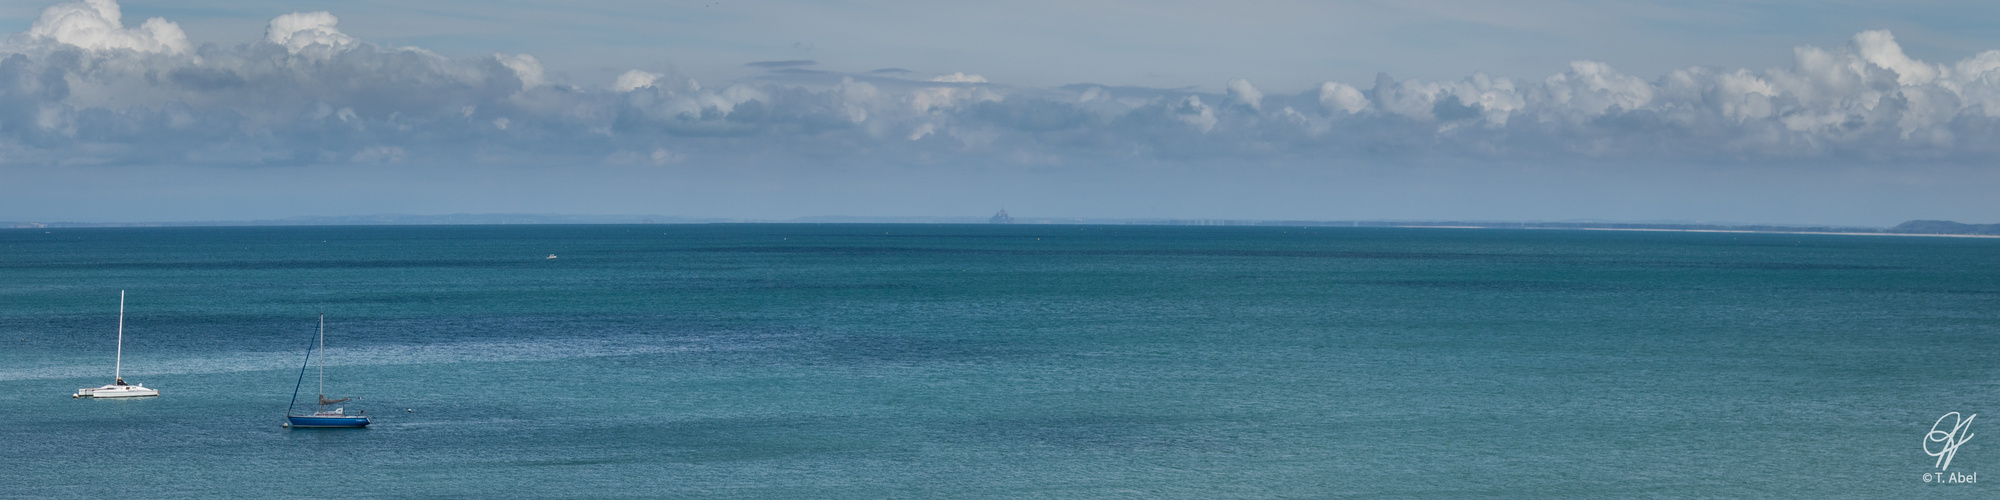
(915, 251)
(253, 265)
(1064, 427)
(1757, 266)
(711, 284)
(750, 438)
(1938, 291)
(910, 348)
(1494, 285)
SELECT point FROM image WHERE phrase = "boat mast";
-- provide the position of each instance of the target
(118, 363)
(320, 363)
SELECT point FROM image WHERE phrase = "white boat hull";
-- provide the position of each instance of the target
(116, 391)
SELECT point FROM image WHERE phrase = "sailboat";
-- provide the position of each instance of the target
(118, 388)
(321, 417)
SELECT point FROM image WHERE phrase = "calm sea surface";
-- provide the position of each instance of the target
(966, 361)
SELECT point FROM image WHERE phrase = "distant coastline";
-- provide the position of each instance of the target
(1875, 233)
(1910, 228)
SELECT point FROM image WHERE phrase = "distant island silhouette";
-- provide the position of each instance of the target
(1944, 227)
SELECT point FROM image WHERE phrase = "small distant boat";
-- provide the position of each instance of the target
(321, 417)
(551, 256)
(118, 388)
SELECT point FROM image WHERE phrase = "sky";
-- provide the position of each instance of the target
(1853, 113)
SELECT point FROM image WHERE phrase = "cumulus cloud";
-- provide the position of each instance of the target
(525, 67)
(98, 25)
(634, 80)
(1592, 88)
(1241, 90)
(1880, 48)
(1192, 112)
(79, 87)
(1342, 97)
(299, 31)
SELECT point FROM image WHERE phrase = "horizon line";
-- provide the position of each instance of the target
(456, 219)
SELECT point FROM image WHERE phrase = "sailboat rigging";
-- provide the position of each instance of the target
(320, 417)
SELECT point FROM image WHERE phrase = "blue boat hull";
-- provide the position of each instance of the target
(328, 422)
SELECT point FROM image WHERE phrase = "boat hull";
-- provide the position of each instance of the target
(108, 392)
(351, 421)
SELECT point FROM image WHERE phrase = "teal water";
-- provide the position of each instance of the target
(959, 361)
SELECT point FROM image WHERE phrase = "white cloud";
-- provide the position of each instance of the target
(726, 101)
(1092, 94)
(135, 96)
(1880, 48)
(658, 157)
(1243, 92)
(299, 31)
(928, 99)
(959, 78)
(1409, 98)
(1191, 111)
(525, 67)
(856, 98)
(1343, 97)
(1591, 88)
(923, 130)
(96, 25)
(1495, 98)
(635, 79)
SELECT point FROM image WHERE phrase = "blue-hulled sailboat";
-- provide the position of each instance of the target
(321, 417)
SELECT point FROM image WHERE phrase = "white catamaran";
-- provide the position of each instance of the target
(118, 388)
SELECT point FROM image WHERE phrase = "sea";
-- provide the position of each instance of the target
(1000, 361)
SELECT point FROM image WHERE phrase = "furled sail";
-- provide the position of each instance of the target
(323, 400)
